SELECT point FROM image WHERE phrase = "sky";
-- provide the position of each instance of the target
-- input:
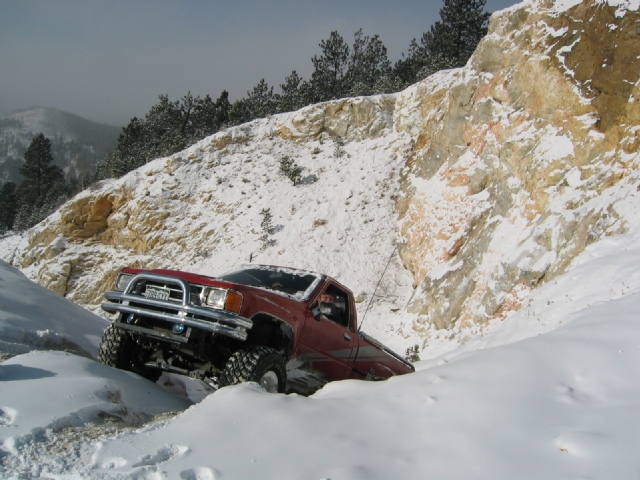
(109, 61)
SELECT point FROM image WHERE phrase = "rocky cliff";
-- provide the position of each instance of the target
(520, 158)
(488, 181)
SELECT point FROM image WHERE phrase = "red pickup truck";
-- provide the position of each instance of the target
(289, 330)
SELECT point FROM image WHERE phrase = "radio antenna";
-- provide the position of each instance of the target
(376, 289)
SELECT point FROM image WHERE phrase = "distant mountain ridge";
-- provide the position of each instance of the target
(78, 144)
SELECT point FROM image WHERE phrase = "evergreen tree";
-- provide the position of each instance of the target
(368, 64)
(388, 84)
(448, 44)
(222, 112)
(43, 188)
(267, 228)
(292, 97)
(328, 77)
(464, 23)
(169, 127)
(339, 71)
(407, 68)
(261, 102)
(239, 112)
(307, 94)
(130, 152)
(166, 126)
(203, 117)
(8, 206)
(290, 169)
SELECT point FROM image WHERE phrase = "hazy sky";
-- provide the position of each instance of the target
(108, 61)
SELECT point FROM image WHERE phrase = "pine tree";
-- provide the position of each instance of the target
(204, 117)
(464, 23)
(166, 126)
(388, 84)
(267, 228)
(222, 111)
(8, 206)
(328, 77)
(290, 169)
(169, 127)
(261, 102)
(292, 97)
(130, 152)
(448, 44)
(43, 188)
(239, 112)
(368, 64)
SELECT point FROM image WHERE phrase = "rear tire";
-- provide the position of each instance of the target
(255, 363)
(118, 349)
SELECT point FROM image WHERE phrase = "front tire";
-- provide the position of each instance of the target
(255, 363)
(118, 349)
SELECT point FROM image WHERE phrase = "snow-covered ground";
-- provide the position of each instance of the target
(562, 403)
(33, 317)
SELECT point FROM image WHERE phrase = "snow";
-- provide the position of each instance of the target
(31, 321)
(318, 225)
(551, 391)
(561, 403)
(564, 5)
(622, 5)
(78, 390)
(553, 147)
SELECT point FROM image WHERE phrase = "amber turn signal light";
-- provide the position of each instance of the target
(233, 302)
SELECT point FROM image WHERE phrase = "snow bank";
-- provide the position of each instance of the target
(35, 318)
(55, 390)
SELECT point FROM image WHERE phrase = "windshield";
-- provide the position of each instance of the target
(296, 283)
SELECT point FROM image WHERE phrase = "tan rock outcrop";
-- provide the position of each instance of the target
(541, 121)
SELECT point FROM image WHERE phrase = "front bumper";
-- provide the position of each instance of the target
(174, 312)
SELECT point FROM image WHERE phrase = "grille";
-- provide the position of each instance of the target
(175, 293)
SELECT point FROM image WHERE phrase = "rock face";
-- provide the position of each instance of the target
(515, 155)
(489, 180)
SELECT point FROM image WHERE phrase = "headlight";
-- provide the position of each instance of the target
(223, 299)
(216, 297)
(123, 281)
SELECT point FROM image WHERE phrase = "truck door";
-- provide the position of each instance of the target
(328, 342)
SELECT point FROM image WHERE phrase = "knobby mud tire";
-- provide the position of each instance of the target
(253, 364)
(118, 349)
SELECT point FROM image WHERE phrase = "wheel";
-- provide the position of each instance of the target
(256, 363)
(118, 349)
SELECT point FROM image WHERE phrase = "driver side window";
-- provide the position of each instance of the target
(336, 303)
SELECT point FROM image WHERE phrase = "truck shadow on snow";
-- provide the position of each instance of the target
(12, 373)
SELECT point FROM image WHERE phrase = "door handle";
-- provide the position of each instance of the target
(346, 336)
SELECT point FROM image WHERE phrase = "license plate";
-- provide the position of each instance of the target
(157, 293)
